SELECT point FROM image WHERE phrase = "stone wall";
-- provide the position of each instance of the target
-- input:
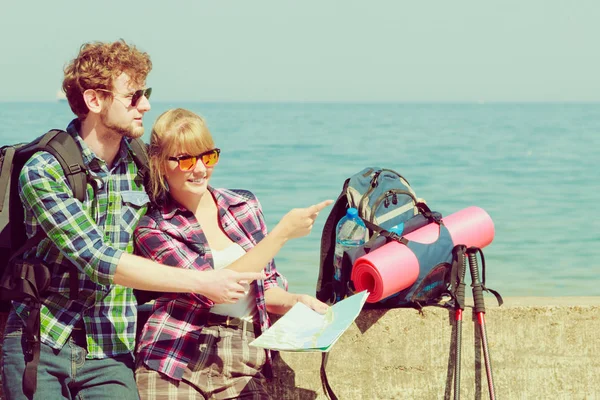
(541, 348)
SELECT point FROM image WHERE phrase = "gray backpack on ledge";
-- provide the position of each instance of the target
(386, 203)
(389, 209)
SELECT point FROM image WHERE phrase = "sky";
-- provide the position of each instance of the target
(312, 51)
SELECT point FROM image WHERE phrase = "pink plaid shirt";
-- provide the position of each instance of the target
(172, 236)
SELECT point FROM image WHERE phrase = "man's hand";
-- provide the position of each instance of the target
(226, 285)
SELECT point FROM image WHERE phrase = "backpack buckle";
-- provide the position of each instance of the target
(32, 341)
(75, 169)
(434, 217)
(396, 237)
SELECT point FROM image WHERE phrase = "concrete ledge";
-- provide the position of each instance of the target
(541, 348)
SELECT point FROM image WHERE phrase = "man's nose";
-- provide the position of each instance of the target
(143, 104)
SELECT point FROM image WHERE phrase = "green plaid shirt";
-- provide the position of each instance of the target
(92, 235)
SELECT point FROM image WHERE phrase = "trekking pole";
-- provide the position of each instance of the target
(479, 309)
(459, 307)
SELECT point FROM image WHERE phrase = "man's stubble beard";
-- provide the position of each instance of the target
(133, 132)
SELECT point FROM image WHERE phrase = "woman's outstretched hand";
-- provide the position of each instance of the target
(279, 301)
(313, 303)
(299, 221)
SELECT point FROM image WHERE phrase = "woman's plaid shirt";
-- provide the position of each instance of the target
(172, 236)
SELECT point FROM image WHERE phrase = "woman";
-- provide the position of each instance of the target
(191, 347)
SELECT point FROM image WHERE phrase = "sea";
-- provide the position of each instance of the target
(533, 167)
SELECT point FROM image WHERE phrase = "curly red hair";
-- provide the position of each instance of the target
(97, 66)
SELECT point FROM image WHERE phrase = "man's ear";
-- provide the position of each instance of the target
(93, 101)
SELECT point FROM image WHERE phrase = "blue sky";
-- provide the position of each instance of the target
(323, 50)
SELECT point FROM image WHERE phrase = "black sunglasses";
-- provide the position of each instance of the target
(209, 158)
(135, 96)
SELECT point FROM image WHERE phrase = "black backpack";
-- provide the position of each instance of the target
(26, 281)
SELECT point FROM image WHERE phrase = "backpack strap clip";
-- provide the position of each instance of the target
(394, 236)
(430, 215)
(31, 340)
(437, 218)
(74, 169)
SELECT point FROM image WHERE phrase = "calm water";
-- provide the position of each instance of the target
(533, 167)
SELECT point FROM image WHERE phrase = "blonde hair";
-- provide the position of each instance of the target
(176, 131)
(97, 66)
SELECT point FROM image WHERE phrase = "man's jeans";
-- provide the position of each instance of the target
(65, 374)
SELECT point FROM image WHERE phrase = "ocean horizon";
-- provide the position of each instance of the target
(533, 166)
(356, 102)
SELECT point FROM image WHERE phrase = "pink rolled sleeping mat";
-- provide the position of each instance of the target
(394, 267)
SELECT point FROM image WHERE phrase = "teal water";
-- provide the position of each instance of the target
(533, 167)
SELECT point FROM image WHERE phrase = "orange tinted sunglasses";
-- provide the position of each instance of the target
(209, 158)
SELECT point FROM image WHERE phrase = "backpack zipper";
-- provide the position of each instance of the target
(385, 195)
(374, 184)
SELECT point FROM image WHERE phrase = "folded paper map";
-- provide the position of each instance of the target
(303, 329)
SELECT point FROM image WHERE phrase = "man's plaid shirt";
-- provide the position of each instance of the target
(92, 235)
(172, 236)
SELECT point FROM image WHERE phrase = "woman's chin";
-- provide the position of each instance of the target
(196, 187)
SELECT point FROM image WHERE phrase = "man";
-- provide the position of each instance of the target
(87, 342)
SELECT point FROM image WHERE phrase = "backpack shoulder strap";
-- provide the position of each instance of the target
(9, 155)
(139, 152)
(66, 151)
(325, 279)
